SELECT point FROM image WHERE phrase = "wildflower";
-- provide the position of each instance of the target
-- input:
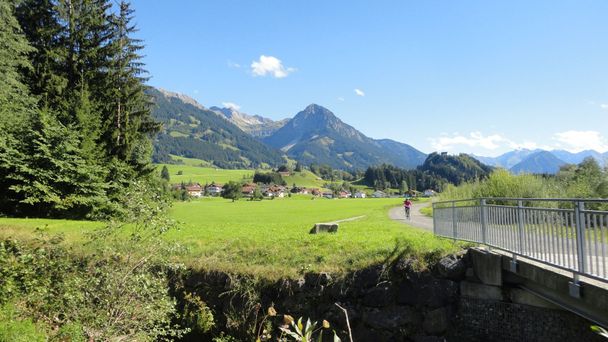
(325, 324)
(287, 319)
(272, 311)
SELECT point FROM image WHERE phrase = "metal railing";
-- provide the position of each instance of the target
(571, 234)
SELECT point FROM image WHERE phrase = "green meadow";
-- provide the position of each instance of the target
(270, 238)
(201, 171)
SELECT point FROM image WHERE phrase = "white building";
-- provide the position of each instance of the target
(359, 194)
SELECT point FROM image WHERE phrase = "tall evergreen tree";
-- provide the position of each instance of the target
(16, 106)
(46, 79)
(127, 120)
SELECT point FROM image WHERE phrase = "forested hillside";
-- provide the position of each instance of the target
(195, 132)
(435, 173)
(75, 125)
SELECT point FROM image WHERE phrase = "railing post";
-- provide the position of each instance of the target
(579, 217)
(434, 219)
(520, 226)
(454, 223)
(482, 206)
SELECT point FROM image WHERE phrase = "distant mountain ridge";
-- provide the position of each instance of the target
(232, 139)
(316, 135)
(255, 125)
(541, 161)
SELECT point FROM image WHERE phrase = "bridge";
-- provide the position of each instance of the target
(556, 249)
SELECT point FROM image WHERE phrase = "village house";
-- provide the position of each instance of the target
(248, 189)
(359, 194)
(378, 194)
(429, 193)
(344, 194)
(215, 189)
(328, 195)
(275, 191)
(194, 190)
(315, 192)
(285, 173)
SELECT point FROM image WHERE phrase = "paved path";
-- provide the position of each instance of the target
(417, 219)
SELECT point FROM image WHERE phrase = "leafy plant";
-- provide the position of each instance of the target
(306, 332)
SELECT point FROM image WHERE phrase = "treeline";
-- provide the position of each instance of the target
(435, 173)
(75, 124)
(269, 178)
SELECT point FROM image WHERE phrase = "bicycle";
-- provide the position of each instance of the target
(407, 213)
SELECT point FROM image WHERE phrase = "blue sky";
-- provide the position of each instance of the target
(480, 77)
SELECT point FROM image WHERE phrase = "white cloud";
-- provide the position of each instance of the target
(269, 65)
(576, 141)
(231, 105)
(231, 64)
(474, 139)
(604, 106)
(359, 92)
(341, 99)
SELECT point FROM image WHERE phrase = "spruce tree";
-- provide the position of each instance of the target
(128, 122)
(16, 106)
(164, 174)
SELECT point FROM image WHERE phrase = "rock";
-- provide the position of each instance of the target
(436, 321)
(452, 267)
(480, 291)
(428, 291)
(324, 228)
(379, 296)
(364, 333)
(368, 277)
(428, 339)
(392, 318)
(317, 279)
(404, 266)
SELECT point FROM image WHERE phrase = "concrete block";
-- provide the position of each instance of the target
(480, 291)
(324, 228)
(487, 266)
(524, 297)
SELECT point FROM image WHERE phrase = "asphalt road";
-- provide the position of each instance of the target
(417, 219)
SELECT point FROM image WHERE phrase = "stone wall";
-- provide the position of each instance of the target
(397, 302)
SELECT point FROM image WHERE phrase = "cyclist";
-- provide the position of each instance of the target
(407, 204)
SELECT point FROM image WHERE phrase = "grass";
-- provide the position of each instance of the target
(18, 329)
(271, 238)
(427, 211)
(204, 175)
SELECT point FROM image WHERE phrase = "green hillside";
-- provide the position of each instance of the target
(305, 179)
(192, 131)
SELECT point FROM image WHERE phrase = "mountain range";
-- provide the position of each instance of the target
(231, 139)
(541, 161)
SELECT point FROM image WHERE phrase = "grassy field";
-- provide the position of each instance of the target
(271, 238)
(204, 175)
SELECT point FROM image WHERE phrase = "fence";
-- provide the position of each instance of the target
(570, 234)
